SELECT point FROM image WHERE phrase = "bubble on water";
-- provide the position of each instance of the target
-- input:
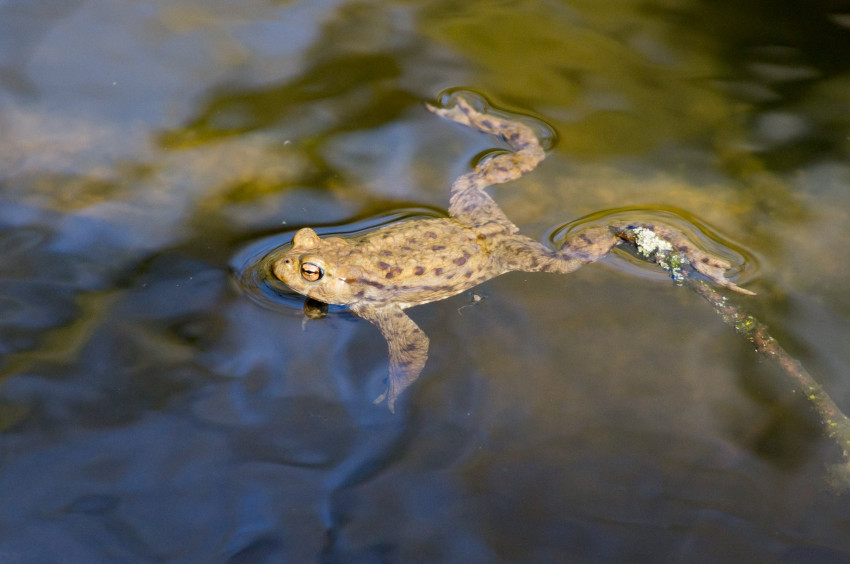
(781, 127)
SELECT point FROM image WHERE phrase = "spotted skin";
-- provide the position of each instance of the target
(382, 273)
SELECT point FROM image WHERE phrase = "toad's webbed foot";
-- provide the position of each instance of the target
(661, 244)
(672, 250)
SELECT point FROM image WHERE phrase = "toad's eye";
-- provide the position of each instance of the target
(311, 271)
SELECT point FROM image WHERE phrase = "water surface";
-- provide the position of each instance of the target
(152, 410)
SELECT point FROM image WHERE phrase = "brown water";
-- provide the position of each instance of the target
(156, 407)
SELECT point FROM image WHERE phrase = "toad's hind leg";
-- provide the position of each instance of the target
(469, 203)
(661, 244)
(518, 252)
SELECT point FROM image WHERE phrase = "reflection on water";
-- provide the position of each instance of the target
(152, 412)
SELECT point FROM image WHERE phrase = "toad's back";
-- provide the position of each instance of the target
(420, 261)
(406, 264)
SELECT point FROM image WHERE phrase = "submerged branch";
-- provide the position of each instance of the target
(836, 424)
(653, 247)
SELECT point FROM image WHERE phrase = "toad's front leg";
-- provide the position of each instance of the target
(407, 343)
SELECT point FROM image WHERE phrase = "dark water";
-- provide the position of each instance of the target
(155, 410)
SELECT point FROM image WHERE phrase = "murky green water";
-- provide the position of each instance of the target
(153, 410)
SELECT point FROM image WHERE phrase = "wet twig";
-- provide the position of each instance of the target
(836, 424)
(653, 246)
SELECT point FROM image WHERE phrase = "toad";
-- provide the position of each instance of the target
(380, 274)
